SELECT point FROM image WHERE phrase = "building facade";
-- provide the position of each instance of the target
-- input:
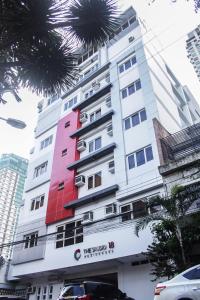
(13, 171)
(95, 160)
(193, 49)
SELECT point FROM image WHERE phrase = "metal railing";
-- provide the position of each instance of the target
(181, 143)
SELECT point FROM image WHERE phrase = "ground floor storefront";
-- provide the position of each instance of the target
(131, 278)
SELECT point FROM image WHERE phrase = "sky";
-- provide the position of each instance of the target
(169, 21)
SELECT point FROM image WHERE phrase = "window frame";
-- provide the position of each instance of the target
(46, 142)
(131, 89)
(93, 179)
(39, 199)
(41, 169)
(28, 240)
(93, 144)
(70, 103)
(131, 61)
(64, 235)
(132, 214)
(135, 153)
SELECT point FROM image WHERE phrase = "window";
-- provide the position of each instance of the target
(40, 169)
(193, 274)
(133, 210)
(44, 293)
(89, 93)
(127, 64)
(46, 142)
(70, 103)
(31, 240)
(69, 234)
(135, 119)
(50, 292)
(64, 152)
(140, 157)
(95, 144)
(87, 55)
(61, 186)
(94, 180)
(67, 124)
(37, 202)
(38, 292)
(95, 115)
(131, 89)
(52, 99)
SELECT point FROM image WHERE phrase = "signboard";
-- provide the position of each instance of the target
(100, 250)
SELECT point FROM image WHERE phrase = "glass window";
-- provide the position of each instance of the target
(91, 146)
(138, 84)
(140, 159)
(133, 60)
(125, 25)
(121, 68)
(131, 89)
(98, 143)
(98, 179)
(126, 211)
(139, 209)
(135, 120)
(127, 64)
(98, 114)
(90, 182)
(143, 115)
(149, 153)
(124, 93)
(131, 161)
(193, 274)
(127, 123)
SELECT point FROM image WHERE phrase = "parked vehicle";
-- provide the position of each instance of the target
(185, 286)
(89, 290)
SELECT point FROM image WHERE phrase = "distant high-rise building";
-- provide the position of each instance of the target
(13, 171)
(193, 49)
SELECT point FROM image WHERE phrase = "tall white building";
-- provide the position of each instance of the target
(193, 49)
(95, 160)
(13, 170)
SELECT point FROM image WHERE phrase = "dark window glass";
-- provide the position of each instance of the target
(149, 153)
(67, 124)
(32, 204)
(90, 182)
(26, 242)
(64, 152)
(133, 60)
(131, 161)
(92, 117)
(135, 119)
(140, 157)
(127, 215)
(79, 239)
(132, 20)
(69, 230)
(91, 146)
(37, 204)
(69, 242)
(138, 84)
(78, 291)
(127, 123)
(193, 274)
(98, 143)
(98, 179)
(127, 64)
(125, 25)
(131, 89)
(139, 209)
(121, 68)
(98, 114)
(143, 115)
(42, 201)
(61, 186)
(124, 93)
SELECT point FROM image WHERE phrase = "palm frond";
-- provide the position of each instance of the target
(91, 22)
(49, 68)
(142, 223)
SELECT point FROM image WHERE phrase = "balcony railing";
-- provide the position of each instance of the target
(181, 143)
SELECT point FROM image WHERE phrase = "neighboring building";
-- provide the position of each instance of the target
(193, 49)
(95, 159)
(13, 171)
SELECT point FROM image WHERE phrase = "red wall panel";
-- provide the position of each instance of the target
(57, 199)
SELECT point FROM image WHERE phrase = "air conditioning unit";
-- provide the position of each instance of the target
(81, 145)
(111, 166)
(111, 209)
(87, 217)
(108, 101)
(31, 290)
(80, 180)
(131, 39)
(83, 117)
(109, 129)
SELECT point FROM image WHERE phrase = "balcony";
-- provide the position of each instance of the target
(181, 144)
(105, 90)
(92, 157)
(92, 197)
(92, 125)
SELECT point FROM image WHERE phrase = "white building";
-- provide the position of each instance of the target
(13, 171)
(95, 159)
(193, 49)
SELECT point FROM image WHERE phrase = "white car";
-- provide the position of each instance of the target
(185, 286)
